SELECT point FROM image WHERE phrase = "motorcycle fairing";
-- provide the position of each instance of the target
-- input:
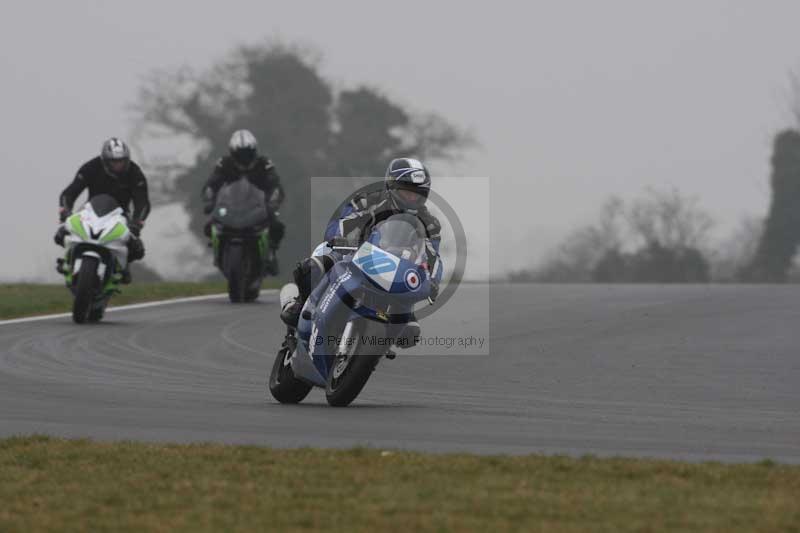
(324, 305)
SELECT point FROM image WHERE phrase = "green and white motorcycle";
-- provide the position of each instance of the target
(96, 252)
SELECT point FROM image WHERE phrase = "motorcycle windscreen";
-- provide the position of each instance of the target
(391, 256)
(401, 235)
(240, 205)
(103, 204)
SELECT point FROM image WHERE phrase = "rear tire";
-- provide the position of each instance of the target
(85, 290)
(283, 386)
(343, 388)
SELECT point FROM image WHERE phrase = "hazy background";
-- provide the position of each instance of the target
(572, 101)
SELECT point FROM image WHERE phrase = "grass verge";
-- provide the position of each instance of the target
(78, 485)
(29, 299)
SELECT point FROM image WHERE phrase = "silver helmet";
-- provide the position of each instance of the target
(116, 156)
(243, 148)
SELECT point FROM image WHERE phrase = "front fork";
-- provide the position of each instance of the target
(215, 245)
(66, 266)
(263, 243)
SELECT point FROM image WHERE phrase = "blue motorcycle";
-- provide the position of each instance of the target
(356, 314)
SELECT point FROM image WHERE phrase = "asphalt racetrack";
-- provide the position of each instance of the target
(688, 372)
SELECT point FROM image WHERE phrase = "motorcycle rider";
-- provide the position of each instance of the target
(112, 173)
(243, 160)
(407, 184)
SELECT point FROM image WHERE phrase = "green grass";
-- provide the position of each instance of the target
(26, 299)
(61, 485)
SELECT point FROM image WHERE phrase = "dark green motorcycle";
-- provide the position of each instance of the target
(240, 238)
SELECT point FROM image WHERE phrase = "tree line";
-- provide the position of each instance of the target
(307, 126)
(662, 237)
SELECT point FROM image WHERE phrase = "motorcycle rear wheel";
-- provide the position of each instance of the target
(283, 386)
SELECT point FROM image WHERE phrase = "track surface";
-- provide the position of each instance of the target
(690, 372)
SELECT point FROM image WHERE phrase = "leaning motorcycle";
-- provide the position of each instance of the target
(240, 238)
(355, 315)
(96, 252)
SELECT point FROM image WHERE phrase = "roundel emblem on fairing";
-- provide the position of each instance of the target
(412, 280)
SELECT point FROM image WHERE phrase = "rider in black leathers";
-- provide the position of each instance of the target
(112, 173)
(244, 161)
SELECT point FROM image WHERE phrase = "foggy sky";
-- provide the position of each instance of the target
(572, 101)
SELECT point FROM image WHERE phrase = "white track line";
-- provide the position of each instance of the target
(129, 307)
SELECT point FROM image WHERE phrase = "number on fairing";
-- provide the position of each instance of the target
(376, 263)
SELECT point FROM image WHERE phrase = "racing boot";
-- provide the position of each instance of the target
(291, 305)
(135, 252)
(291, 313)
(126, 277)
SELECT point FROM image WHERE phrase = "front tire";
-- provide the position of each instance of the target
(283, 386)
(252, 293)
(85, 290)
(350, 372)
(235, 272)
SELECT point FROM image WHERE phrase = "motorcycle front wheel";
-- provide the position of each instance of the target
(353, 366)
(85, 290)
(235, 268)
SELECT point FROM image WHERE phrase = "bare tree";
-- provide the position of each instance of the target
(575, 258)
(670, 219)
(302, 121)
(657, 237)
(433, 137)
(735, 254)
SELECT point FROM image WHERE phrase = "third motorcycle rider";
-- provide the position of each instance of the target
(244, 161)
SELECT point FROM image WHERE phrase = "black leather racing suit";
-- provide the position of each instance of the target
(129, 187)
(263, 175)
